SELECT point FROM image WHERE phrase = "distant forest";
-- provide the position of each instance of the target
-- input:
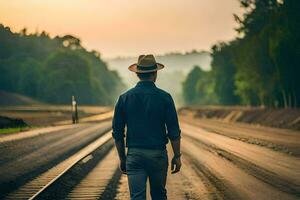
(53, 69)
(261, 67)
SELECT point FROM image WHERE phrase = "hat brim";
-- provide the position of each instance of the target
(134, 68)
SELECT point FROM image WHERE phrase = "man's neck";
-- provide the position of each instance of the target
(148, 80)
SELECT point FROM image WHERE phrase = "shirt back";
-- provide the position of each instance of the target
(149, 115)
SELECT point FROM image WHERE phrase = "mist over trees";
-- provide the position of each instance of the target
(177, 66)
(261, 67)
(53, 69)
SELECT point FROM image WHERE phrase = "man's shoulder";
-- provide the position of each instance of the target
(129, 91)
(164, 93)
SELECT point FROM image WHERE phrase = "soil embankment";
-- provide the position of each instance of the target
(279, 118)
(8, 98)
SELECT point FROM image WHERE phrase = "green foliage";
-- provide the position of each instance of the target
(267, 57)
(198, 87)
(262, 66)
(223, 72)
(10, 130)
(54, 69)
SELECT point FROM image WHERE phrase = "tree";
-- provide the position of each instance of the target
(54, 69)
(223, 72)
(198, 87)
(261, 66)
(74, 74)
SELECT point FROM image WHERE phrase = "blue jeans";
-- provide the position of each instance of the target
(147, 163)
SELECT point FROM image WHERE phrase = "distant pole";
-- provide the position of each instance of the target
(74, 111)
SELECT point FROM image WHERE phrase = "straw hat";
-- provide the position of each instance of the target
(146, 64)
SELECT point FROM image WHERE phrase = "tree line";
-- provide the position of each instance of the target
(53, 69)
(261, 67)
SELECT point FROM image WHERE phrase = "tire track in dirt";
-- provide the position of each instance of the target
(186, 184)
(260, 173)
(225, 178)
(281, 140)
(284, 166)
(217, 188)
(255, 141)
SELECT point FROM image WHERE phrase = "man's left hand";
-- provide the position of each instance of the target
(175, 165)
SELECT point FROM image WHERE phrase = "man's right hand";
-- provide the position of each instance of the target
(175, 165)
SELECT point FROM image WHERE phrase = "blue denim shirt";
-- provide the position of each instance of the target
(149, 115)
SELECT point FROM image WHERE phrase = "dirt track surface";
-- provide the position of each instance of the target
(220, 161)
(239, 169)
(217, 166)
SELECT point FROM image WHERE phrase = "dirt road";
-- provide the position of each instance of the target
(220, 161)
(239, 170)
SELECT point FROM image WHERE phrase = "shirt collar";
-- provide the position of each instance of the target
(145, 84)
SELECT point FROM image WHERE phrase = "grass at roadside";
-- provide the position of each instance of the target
(12, 130)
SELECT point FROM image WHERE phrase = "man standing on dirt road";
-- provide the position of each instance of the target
(150, 118)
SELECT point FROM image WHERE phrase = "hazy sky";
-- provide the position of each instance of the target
(128, 27)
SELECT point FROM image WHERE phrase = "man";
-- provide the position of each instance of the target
(150, 118)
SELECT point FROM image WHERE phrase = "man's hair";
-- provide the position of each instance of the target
(145, 76)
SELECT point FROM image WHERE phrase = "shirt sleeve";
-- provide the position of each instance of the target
(118, 124)
(172, 125)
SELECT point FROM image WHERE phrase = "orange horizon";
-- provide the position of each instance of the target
(118, 28)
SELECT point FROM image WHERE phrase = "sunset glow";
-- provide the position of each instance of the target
(123, 28)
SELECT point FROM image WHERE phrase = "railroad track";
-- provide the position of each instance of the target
(97, 160)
